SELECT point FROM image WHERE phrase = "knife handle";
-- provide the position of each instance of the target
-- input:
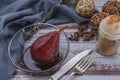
(69, 65)
(61, 72)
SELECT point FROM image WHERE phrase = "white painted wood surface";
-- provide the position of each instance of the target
(104, 67)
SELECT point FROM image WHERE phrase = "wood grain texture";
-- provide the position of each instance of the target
(103, 67)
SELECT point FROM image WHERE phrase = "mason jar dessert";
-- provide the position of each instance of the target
(109, 35)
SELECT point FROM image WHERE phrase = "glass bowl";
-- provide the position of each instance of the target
(23, 39)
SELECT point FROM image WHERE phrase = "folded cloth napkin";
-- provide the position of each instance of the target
(16, 14)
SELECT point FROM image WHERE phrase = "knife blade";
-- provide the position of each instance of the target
(69, 65)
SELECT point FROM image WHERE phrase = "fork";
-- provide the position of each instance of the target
(83, 65)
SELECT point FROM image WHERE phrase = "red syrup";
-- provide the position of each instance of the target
(31, 64)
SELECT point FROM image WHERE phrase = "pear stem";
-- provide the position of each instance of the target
(62, 28)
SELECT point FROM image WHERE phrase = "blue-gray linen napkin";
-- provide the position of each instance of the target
(16, 14)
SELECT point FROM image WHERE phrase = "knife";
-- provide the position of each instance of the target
(69, 65)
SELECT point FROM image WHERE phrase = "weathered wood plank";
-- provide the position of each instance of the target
(78, 46)
(103, 67)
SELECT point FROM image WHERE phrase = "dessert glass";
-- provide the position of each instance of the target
(23, 39)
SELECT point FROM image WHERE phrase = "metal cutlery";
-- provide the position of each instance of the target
(83, 65)
(70, 64)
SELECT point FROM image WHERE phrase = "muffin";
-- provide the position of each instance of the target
(85, 8)
(111, 7)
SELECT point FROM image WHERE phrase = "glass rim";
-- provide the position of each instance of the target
(36, 71)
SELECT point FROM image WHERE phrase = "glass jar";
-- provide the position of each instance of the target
(106, 46)
(21, 75)
(109, 35)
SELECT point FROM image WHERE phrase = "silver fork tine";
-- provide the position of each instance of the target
(84, 60)
(83, 64)
(88, 63)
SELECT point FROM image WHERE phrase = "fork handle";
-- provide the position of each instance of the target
(69, 65)
(68, 78)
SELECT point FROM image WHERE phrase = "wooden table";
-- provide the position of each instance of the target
(103, 67)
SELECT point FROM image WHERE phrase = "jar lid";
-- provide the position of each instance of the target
(110, 26)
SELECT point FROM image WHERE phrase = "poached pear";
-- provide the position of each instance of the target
(45, 49)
